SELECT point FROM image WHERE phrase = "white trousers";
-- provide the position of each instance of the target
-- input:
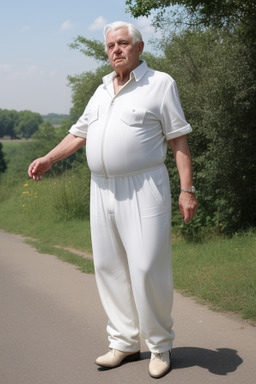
(131, 238)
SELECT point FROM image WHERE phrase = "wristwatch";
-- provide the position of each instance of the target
(190, 190)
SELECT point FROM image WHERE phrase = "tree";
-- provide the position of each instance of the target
(28, 124)
(209, 13)
(91, 48)
(214, 80)
(8, 120)
(3, 165)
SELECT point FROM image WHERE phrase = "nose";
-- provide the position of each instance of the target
(117, 48)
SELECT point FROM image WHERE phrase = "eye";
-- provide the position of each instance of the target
(110, 46)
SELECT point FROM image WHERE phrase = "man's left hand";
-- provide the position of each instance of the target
(187, 205)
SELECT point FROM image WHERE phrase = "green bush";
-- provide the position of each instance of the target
(71, 194)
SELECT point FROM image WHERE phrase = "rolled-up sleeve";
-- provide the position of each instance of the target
(173, 121)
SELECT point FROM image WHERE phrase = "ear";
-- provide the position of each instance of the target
(140, 46)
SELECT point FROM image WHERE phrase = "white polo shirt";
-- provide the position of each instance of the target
(127, 133)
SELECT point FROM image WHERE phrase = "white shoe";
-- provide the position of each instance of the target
(159, 364)
(114, 358)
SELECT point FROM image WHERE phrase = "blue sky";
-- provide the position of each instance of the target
(35, 58)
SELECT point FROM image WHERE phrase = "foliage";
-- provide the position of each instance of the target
(215, 84)
(209, 13)
(19, 124)
(92, 48)
(84, 265)
(71, 195)
(28, 123)
(221, 272)
(18, 155)
(27, 208)
(3, 165)
(8, 121)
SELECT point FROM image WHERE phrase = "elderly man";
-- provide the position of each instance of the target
(127, 126)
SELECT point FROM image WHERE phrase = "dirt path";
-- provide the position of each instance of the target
(52, 327)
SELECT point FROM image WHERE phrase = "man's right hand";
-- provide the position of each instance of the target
(38, 167)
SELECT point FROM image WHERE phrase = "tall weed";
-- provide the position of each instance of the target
(70, 194)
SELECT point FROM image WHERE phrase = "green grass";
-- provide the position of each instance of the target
(18, 155)
(28, 208)
(83, 264)
(220, 272)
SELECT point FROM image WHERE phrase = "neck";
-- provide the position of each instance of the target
(123, 75)
(122, 78)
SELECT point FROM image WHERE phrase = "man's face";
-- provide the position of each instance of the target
(122, 53)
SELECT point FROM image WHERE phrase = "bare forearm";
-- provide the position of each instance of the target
(187, 200)
(183, 160)
(65, 148)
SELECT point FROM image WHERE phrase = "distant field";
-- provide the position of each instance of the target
(54, 119)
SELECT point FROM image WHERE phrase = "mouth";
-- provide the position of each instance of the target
(119, 58)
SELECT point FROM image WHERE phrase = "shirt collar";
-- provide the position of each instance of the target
(137, 73)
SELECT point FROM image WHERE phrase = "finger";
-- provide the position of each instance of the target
(181, 211)
(37, 177)
(187, 218)
(30, 170)
(189, 215)
(34, 170)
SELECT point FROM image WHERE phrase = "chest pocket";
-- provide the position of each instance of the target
(93, 115)
(133, 115)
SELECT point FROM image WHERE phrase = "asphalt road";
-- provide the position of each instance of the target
(52, 328)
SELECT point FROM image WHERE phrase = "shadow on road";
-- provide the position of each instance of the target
(219, 362)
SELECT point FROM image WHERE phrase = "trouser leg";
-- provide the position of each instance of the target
(111, 270)
(145, 229)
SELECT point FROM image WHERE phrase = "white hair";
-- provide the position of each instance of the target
(132, 30)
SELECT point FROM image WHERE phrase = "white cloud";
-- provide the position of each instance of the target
(66, 25)
(144, 24)
(98, 23)
(32, 69)
(4, 67)
(31, 72)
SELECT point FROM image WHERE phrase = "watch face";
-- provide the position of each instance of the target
(193, 189)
